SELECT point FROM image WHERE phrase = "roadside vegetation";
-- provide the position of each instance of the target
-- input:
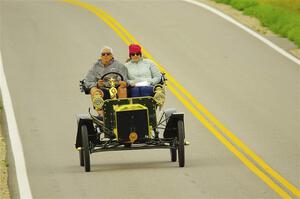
(4, 192)
(280, 16)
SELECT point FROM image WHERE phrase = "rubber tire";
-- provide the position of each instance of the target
(127, 145)
(181, 155)
(173, 153)
(85, 145)
(81, 158)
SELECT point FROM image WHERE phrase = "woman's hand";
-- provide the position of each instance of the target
(131, 83)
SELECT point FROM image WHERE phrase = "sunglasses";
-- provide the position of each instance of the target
(105, 54)
(135, 54)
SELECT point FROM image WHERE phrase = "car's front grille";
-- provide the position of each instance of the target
(135, 122)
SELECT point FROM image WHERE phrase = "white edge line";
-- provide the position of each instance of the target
(14, 137)
(253, 33)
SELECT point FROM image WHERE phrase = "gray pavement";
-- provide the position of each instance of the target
(47, 47)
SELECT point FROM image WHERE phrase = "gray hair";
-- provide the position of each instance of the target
(106, 47)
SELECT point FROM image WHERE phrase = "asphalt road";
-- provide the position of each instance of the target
(47, 47)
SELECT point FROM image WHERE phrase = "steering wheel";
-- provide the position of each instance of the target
(112, 77)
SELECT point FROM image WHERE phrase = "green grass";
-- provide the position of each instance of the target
(4, 163)
(292, 5)
(280, 16)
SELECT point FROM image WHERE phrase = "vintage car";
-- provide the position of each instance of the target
(129, 124)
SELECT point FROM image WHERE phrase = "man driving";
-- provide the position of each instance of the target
(106, 64)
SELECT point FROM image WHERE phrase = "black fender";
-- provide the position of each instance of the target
(171, 129)
(84, 119)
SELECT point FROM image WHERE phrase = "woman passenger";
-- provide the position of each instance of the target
(142, 73)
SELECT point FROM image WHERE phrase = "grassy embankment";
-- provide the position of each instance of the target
(4, 193)
(280, 16)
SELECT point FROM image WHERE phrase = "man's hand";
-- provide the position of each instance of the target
(100, 83)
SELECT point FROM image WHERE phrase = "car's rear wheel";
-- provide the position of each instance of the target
(85, 146)
(181, 153)
(81, 158)
(173, 153)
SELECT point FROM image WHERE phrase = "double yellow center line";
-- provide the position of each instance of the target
(201, 113)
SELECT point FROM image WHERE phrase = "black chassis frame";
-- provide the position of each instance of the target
(169, 140)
